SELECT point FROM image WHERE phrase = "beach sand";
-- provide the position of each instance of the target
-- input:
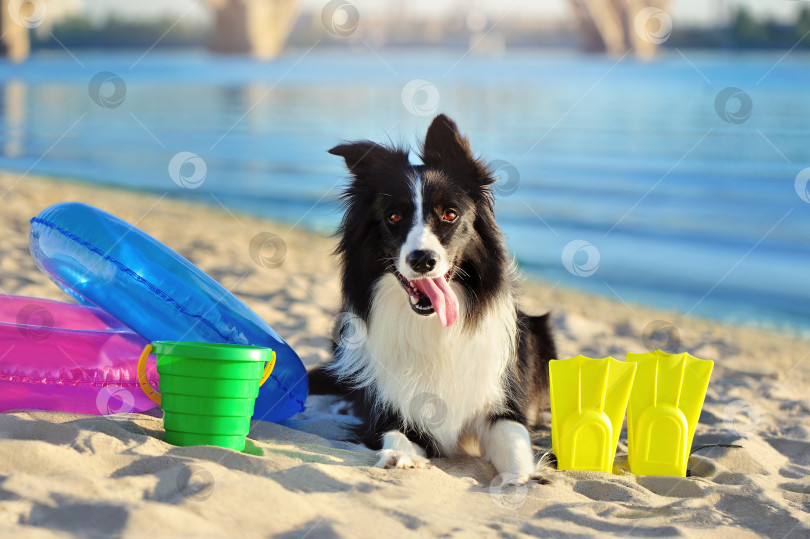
(68, 474)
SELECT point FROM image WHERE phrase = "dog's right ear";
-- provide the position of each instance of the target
(363, 156)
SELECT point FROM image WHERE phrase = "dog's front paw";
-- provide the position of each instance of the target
(516, 480)
(390, 458)
(539, 479)
(513, 479)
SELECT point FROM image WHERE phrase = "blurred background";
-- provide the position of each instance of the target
(654, 152)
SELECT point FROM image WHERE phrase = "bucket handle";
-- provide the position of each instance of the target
(145, 385)
(153, 394)
(268, 368)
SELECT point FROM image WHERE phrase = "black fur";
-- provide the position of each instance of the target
(368, 242)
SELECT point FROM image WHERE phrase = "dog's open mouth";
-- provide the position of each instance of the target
(428, 296)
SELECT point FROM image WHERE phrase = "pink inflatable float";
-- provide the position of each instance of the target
(60, 356)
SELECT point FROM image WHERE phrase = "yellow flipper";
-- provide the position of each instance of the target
(588, 400)
(664, 409)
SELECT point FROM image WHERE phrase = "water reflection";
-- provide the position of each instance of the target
(13, 111)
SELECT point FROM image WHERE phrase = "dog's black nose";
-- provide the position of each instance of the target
(422, 261)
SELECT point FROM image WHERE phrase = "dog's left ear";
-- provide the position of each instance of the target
(444, 143)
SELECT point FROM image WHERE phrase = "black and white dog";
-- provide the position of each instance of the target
(446, 364)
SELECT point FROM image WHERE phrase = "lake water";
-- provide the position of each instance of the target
(623, 178)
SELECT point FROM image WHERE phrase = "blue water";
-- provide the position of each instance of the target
(686, 211)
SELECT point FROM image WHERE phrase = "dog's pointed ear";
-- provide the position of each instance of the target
(363, 155)
(444, 142)
(446, 148)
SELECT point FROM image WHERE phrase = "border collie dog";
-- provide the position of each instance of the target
(444, 364)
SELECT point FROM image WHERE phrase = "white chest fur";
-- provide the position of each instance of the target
(439, 379)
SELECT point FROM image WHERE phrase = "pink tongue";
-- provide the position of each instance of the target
(444, 300)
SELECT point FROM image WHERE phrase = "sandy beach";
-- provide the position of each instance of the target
(64, 474)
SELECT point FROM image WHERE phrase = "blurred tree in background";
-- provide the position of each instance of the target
(802, 28)
(81, 32)
(742, 31)
(747, 32)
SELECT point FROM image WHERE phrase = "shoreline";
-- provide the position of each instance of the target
(532, 280)
(308, 262)
(528, 280)
(213, 235)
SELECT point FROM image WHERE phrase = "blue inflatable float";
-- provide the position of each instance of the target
(101, 260)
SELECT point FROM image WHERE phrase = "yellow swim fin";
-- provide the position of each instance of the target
(664, 409)
(588, 400)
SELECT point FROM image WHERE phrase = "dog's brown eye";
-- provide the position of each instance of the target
(449, 215)
(395, 217)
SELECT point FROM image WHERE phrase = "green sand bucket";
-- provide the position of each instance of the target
(207, 390)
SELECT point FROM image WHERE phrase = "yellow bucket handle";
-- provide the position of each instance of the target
(147, 388)
(153, 394)
(268, 368)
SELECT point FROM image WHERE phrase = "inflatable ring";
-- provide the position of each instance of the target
(97, 258)
(61, 356)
